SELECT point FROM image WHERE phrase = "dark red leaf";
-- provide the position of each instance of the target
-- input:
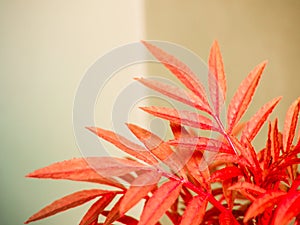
(226, 219)
(67, 202)
(247, 187)
(287, 209)
(225, 173)
(243, 96)
(194, 211)
(256, 122)
(223, 158)
(267, 200)
(290, 124)
(160, 202)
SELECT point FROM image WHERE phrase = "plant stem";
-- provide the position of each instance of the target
(225, 133)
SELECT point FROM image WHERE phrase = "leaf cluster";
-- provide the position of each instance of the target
(233, 184)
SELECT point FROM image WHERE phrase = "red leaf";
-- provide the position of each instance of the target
(176, 93)
(114, 213)
(275, 143)
(223, 158)
(74, 169)
(181, 117)
(247, 187)
(139, 188)
(216, 77)
(159, 203)
(124, 144)
(110, 166)
(194, 211)
(180, 70)
(151, 141)
(179, 131)
(243, 96)
(202, 144)
(157, 147)
(287, 209)
(226, 219)
(290, 124)
(199, 171)
(94, 211)
(256, 122)
(67, 202)
(225, 173)
(267, 200)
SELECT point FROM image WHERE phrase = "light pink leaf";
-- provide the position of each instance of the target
(111, 166)
(139, 188)
(243, 96)
(94, 211)
(194, 211)
(124, 144)
(160, 202)
(290, 124)
(176, 93)
(216, 77)
(256, 122)
(182, 117)
(180, 70)
(287, 209)
(202, 144)
(267, 200)
(77, 169)
(67, 202)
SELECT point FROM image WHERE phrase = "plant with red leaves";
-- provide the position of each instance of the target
(242, 185)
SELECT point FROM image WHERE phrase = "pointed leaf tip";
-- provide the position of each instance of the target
(160, 202)
(257, 121)
(290, 124)
(243, 96)
(67, 202)
(180, 70)
(216, 78)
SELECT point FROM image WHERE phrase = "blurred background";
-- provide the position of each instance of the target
(47, 46)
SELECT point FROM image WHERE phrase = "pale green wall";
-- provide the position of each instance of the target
(45, 49)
